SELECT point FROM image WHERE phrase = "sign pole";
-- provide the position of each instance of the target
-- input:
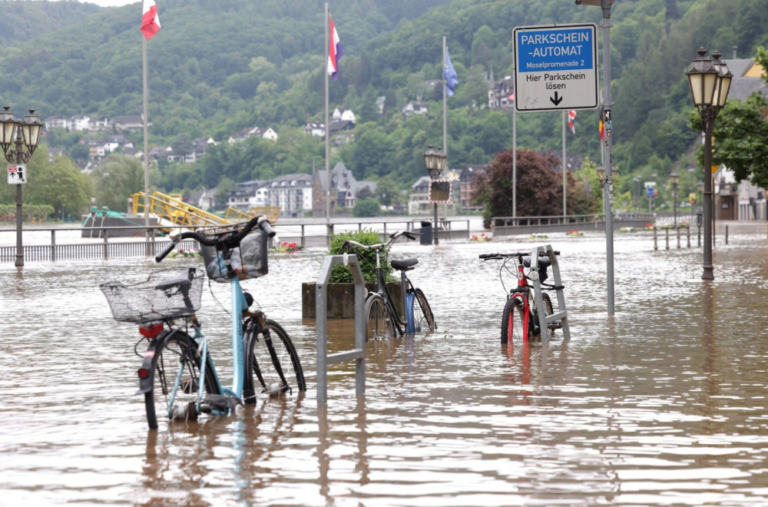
(514, 143)
(564, 166)
(514, 162)
(606, 7)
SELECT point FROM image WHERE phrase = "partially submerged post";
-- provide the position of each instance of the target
(358, 354)
(559, 319)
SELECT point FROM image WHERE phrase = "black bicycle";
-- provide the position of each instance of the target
(382, 318)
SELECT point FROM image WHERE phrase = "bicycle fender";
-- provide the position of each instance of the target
(149, 362)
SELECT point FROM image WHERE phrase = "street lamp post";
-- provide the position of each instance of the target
(710, 81)
(24, 134)
(435, 161)
(674, 178)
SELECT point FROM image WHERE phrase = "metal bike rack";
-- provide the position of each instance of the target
(321, 307)
(562, 315)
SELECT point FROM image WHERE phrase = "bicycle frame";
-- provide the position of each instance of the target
(238, 353)
(522, 292)
(383, 291)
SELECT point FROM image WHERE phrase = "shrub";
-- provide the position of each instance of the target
(342, 274)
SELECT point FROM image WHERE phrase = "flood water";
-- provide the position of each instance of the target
(663, 404)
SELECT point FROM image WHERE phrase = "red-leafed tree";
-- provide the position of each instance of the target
(539, 188)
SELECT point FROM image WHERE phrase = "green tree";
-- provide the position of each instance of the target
(368, 207)
(539, 188)
(221, 196)
(117, 180)
(59, 184)
(387, 191)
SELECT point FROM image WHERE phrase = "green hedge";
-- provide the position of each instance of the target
(342, 274)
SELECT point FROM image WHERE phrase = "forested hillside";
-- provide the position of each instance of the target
(21, 21)
(217, 67)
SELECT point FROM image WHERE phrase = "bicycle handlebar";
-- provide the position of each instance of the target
(498, 256)
(378, 246)
(225, 239)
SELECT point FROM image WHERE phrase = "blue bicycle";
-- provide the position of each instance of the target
(177, 376)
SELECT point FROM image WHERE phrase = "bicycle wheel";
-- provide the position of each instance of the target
(272, 364)
(512, 322)
(379, 324)
(173, 396)
(423, 319)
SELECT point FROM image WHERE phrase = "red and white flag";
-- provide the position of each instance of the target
(150, 23)
(571, 117)
(334, 52)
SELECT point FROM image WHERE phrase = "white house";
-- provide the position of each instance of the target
(131, 122)
(415, 107)
(99, 123)
(80, 122)
(53, 122)
(348, 115)
(242, 135)
(315, 129)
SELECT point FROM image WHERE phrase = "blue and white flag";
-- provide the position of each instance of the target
(449, 75)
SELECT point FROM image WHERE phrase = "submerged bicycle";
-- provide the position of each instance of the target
(520, 318)
(177, 375)
(381, 317)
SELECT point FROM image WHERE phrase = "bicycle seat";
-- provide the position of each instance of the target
(183, 284)
(405, 264)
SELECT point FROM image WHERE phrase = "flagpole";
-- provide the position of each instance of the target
(445, 106)
(564, 165)
(146, 146)
(445, 131)
(327, 125)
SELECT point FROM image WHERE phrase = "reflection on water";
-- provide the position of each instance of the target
(665, 403)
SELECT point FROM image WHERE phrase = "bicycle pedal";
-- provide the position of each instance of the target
(555, 325)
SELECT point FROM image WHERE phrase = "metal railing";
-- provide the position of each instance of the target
(149, 240)
(568, 220)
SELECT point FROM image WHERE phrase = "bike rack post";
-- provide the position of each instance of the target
(321, 311)
(562, 315)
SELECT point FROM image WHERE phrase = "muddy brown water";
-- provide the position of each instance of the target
(664, 404)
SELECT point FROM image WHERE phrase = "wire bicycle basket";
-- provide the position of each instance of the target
(166, 295)
(249, 260)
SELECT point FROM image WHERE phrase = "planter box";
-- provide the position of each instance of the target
(341, 299)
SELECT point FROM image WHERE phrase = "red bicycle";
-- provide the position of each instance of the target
(520, 319)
